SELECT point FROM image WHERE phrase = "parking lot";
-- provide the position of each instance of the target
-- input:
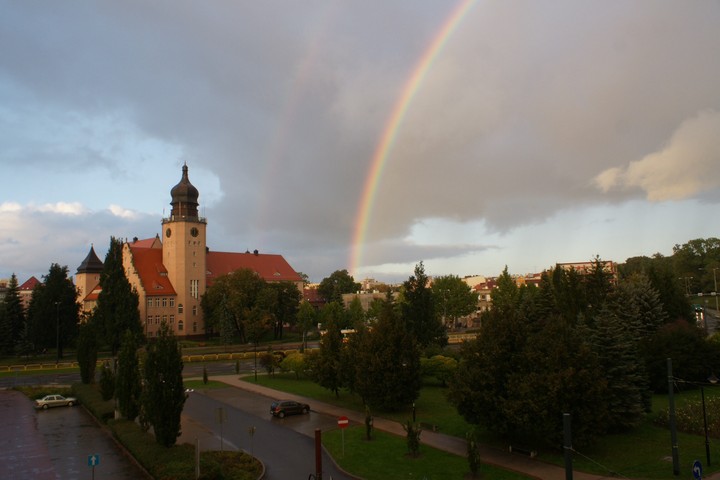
(56, 444)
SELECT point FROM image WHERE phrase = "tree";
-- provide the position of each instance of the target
(127, 385)
(453, 298)
(339, 282)
(627, 394)
(163, 395)
(598, 286)
(231, 303)
(386, 363)
(286, 306)
(418, 310)
(14, 313)
(54, 311)
(117, 304)
(307, 319)
(87, 352)
(326, 367)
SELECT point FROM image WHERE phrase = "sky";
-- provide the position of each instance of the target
(367, 136)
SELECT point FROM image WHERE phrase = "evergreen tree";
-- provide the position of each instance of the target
(613, 340)
(127, 386)
(15, 314)
(87, 351)
(117, 307)
(418, 310)
(386, 363)
(163, 396)
(54, 311)
(6, 344)
(598, 286)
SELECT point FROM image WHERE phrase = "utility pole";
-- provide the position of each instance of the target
(57, 332)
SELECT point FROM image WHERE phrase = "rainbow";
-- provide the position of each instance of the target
(387, 139)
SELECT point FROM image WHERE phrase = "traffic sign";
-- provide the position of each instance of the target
(697, 470)
(343, 422)
(93, 460)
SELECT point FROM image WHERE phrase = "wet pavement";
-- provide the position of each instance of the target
(56, 443)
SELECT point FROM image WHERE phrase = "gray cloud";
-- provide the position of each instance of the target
(278, 108)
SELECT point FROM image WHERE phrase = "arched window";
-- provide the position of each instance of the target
(180, 308)
(180, 326)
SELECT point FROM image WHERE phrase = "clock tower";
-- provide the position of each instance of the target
(184, 254)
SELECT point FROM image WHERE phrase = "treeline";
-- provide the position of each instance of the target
(590, 345)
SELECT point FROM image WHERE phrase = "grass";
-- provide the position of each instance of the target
(644, 453)
(386, 457)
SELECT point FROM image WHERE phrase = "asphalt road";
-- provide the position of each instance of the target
(286, 446)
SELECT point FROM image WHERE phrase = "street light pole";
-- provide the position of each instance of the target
(57, 332)
(707, 440)
(717, 310)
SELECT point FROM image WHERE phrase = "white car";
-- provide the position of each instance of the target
(55, 401)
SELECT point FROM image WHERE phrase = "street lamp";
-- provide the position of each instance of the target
(57, 332)
(717, 310)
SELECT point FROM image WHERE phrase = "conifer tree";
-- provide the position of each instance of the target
(53, 312)
(127, 386)
(118, 305)
(163, 395)
(87, 352)
(386, 363)
(418, 310)
(15, 314)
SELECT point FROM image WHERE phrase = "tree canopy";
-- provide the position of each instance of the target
(339, 282)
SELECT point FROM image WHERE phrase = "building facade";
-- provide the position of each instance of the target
(172, 273)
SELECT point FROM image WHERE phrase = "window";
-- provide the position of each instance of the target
(194, 309)
(194, 327)
(172, 320)
(149, 302)
(180, 308)
(164, 302)
(180, 326)
(172, 301)
(157, 319)
(157, 301)
(194, 288)
(149, 320)
(164, 319)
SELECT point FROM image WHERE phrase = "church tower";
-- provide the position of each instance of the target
(87, 278)
(184, 254)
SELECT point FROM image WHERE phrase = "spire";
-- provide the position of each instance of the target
(184, 197)
(91, 264)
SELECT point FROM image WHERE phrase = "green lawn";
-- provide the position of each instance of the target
(386, 457)
(642, 454)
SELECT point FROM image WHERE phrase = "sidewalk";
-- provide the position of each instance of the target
(519, 463)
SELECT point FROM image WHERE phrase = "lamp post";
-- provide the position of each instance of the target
(707, 440)
(717, 310)
(57, 332)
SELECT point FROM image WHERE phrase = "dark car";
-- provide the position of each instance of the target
(281, 408)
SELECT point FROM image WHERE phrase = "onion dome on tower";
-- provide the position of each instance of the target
(184, 198)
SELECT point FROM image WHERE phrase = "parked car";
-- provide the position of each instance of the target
(281, 408)
(55, 401)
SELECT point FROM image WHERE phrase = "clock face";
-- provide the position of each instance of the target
(168, 232)
(194, 232)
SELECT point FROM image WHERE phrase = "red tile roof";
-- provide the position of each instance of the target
(29, 284)
(271, 268)
(150, 269)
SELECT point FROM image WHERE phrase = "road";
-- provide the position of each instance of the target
(285, 446)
